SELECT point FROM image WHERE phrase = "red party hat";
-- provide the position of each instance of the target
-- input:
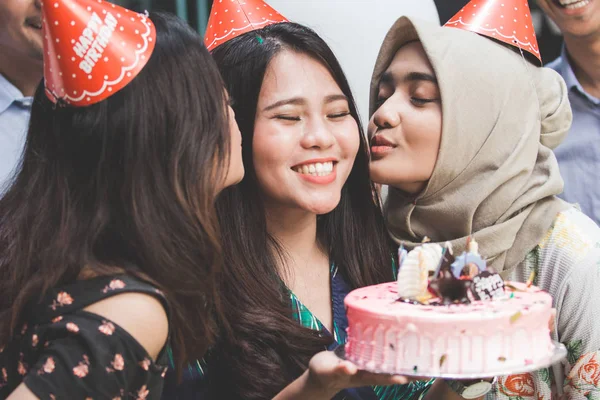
(231, 18)
(508, 21)
(92, 49)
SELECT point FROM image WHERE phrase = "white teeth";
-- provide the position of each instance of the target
(316, 169)
(574, 4)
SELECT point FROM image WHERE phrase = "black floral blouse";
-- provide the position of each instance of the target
(64, 352)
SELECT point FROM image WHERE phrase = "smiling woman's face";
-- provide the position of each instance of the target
(305, 139)
(406, 129)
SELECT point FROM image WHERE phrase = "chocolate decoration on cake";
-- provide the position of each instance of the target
(446, 260)
(488, 285)
(451, 290)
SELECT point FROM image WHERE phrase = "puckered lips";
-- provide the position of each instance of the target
(34, 22)
(317, 170)
(380, 146)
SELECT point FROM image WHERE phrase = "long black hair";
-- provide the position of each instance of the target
(127, 184)
(270, 348)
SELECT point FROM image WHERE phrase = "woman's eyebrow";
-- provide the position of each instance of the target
(335, 97)
(420, 76)
(292, 101)
(388, 79)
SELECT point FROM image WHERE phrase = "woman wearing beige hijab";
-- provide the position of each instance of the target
(461, 130)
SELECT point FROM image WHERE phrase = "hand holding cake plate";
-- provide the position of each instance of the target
(327, 375)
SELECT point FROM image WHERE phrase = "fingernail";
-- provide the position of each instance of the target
(400, 380)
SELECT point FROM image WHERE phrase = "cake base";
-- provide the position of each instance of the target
(559, 353)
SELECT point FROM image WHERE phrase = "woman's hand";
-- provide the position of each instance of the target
(330, 374)
(327, 375)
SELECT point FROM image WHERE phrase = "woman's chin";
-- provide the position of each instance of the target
(322, 207)
(381, 176)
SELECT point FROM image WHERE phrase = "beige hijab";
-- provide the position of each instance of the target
(496, 176)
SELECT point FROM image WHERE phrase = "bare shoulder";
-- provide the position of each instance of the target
(22, 392)
(141, 315)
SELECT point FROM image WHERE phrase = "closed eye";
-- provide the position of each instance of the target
(419, 101)
(339, 115)
(287, 117)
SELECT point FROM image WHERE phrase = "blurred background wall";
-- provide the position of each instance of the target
(196, 13)
(353, 28)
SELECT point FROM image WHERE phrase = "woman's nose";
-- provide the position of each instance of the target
(318, 135)
(387, 115)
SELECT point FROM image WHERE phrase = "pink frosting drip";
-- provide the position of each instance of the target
(481, 337)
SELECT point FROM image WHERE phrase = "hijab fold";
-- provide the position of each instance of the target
(496, 176)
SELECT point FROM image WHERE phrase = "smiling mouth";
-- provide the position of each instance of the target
(35, 23)
(315, 169)
(572, 4)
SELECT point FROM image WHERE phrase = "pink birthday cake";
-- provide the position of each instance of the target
(462, 319)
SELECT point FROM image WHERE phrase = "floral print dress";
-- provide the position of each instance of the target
(63, 352)
(567, 265)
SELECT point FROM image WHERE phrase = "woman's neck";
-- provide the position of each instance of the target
(305, 267)
(296, 231)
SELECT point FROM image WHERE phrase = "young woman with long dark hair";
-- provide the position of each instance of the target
(109, 242)
(302, 228)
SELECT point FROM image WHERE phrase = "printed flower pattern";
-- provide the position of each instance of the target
(62, 299)
(585, 375)
(143, 393)
(118, 363)
(82, 369)
(521, 385)
(145, 364)
(582, 381)
(68, 361)
(107, 328)
(114, 285)
(48, 367)
(21, 366)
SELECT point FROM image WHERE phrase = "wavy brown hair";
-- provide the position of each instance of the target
(270, 348)
(127, 184)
